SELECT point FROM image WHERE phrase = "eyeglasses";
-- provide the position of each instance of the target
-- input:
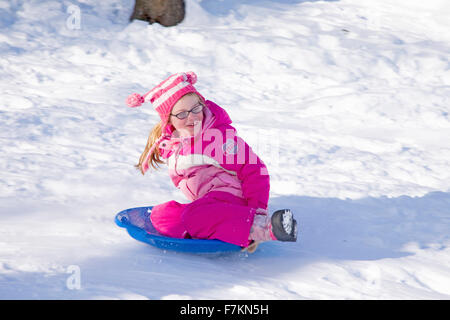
(184, 114)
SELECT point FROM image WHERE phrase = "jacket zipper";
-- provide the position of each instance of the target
(176, 157)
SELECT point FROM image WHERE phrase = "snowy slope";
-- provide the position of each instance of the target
(346, 101)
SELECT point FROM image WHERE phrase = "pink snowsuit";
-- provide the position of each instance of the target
(223, 177)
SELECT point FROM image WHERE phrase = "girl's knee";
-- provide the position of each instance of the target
(167, 208)
(166, 218)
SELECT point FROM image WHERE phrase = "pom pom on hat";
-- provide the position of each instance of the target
(191, 77)
(134, 100)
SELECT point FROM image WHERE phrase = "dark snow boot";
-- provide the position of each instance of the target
(284, 226)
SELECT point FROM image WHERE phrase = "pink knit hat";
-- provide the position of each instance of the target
(164, 96)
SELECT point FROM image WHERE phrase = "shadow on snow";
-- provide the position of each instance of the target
(330, 229)
(223, 8)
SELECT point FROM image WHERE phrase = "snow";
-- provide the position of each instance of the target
(346, 101)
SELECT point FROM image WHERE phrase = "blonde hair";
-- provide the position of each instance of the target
(154, 159)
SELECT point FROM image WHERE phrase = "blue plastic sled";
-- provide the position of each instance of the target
(152, 237)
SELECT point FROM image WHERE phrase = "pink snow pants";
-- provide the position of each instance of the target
(217, 215)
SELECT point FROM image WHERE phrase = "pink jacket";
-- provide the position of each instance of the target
(216, 159)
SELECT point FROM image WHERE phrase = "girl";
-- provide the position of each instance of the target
(227, 183)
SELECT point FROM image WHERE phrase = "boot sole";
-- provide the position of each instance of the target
(284, 226)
